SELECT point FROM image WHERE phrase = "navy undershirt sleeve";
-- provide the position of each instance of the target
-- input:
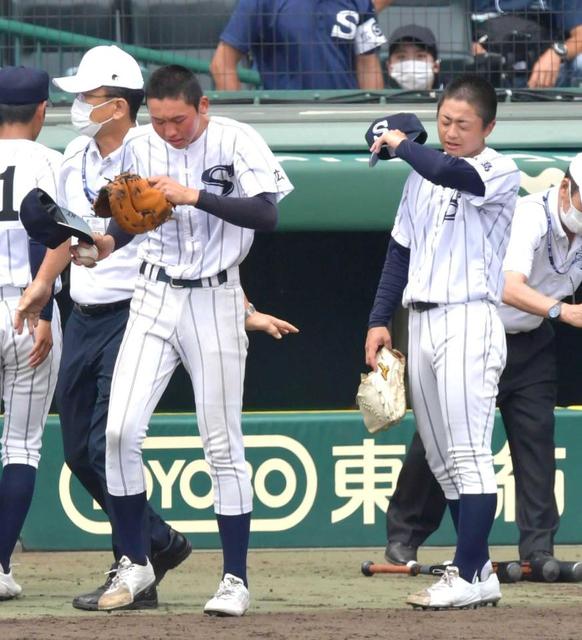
(391, 286)
(120, 237)
(441, 169)
(258, 212)
(36, 253)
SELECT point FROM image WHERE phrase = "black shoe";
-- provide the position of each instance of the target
(544, 567)
(147, 599)
(88, 601)
(178, 549)
(400, 553)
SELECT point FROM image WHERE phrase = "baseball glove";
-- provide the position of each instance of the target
(381, 397)
(136, 206)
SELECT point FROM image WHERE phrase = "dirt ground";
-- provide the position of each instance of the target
(304, 594)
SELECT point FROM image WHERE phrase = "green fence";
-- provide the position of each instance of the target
(319, 480)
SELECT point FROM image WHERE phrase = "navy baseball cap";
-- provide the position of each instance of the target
(415, 34)
(408, 123)
(23, 85)
(49, 224)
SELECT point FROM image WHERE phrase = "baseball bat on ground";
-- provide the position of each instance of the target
(507, 571)
(543, 570)
(570, 572)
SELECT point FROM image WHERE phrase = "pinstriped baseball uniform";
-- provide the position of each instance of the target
(26, 392)
(457, 349)
(202, 327)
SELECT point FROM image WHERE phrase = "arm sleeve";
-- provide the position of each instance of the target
(369, 36)
(258, 212)
(120, 237)
(528, 230)
(571, 14)
(403, 230)
(36, 253)
(242, 29)
(391, 286)
(255, 167)
(441, 169)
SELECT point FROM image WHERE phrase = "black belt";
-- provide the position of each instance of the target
(180, 283)
(99, 309)
(424, 306)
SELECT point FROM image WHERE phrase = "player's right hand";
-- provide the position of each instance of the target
(30, 305)
(377, 338)
(105, 245)
(275, 327)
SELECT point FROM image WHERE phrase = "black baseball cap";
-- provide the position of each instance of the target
(415, 34)
(49, 224)
(23, 85)
(408, 123)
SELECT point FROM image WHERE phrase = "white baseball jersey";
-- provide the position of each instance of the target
(457, 240)
(83, 173)
(203, 326)
(26, 392)
(230, 158)
(537, 240)
(457, 349)
(37, 167)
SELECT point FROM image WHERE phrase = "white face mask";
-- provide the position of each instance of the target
(413, 75)
(572, 217)
(81, 117)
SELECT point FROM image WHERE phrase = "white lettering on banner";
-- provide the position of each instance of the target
(367, 475)
(506, 484)
(180, 476)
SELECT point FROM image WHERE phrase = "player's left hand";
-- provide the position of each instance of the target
(392, 138)
(275, 327)
(545, 71)
(30, 305)
(175, 192)
(43, 343)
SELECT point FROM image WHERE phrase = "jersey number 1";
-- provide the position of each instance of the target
(8, 212)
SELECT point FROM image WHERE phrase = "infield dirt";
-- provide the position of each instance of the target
(303, 594)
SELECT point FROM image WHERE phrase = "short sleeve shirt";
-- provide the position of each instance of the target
(24, 165)
(305, 44)
(532, 242)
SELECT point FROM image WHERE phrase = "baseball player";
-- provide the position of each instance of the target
(29, 363)
(542, 265)
(188, 306)
(109, 89)
(446, 252)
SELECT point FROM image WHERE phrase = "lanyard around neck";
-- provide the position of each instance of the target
(549, 235)
(90, 195)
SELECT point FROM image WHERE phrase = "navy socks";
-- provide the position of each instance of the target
(476, 515)
(16, 491)
(454, 509)
(130, 515)
(234, 536)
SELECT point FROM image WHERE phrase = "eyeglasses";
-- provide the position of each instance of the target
(83, 96)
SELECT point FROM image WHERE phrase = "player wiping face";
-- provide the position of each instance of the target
(461, 130)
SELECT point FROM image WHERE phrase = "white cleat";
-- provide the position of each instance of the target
(450, 592)
(8, 587)
(231, 599)
(129, 582)
(490, 590)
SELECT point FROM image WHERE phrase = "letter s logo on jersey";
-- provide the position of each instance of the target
(346, 25)
(217, 176)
